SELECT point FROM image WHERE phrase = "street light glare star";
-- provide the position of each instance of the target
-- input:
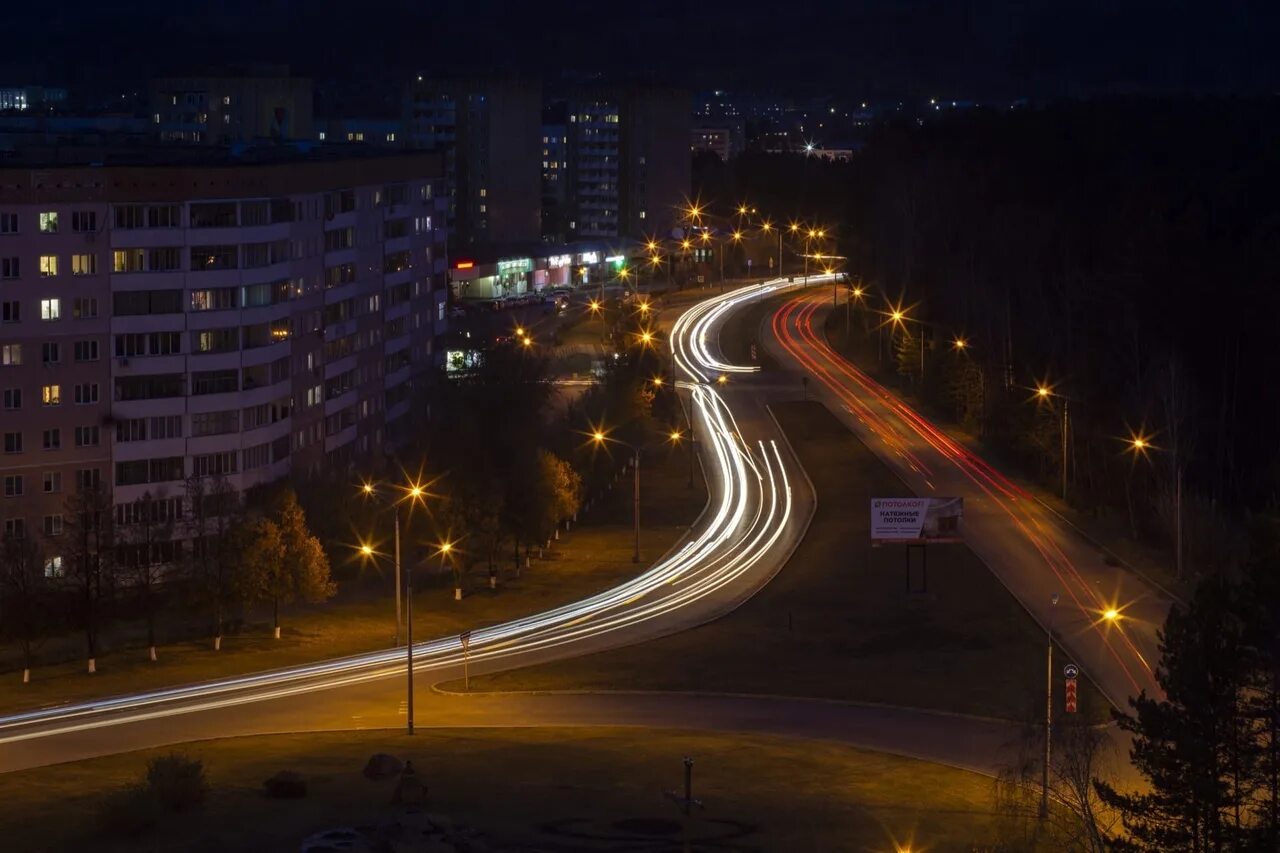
(366, 550)
(961, 343)
(1111, 614)
(597, 436)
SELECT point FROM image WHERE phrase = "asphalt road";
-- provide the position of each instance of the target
(1028, 546)
(759, 505)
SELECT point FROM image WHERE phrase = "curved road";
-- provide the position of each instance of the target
(758, 509)
(1028, 546)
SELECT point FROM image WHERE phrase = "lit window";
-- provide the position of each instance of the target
(226, 100)
(84, 264)
(49, 222)
(483, 192)
(48, 265)
(53, 567)
(50, 309)
(10, 355)
(391, 137)
(51, 395)
(322, 136)
(642, 214)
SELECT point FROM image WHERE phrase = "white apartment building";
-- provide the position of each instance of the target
(238, 316)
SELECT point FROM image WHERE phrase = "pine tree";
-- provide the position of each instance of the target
(1260, 604)
(1193, 747)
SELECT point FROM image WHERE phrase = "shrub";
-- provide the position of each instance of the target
(129, 813)
(176, 782)
(286, 785)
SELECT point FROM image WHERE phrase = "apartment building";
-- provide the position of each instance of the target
(488, 132)
(232, 105)
(245, 317)
(626, 162)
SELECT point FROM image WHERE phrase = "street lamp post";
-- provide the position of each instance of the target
(408, 589)
(370, 490)
(1048, 714)
(1043, 394)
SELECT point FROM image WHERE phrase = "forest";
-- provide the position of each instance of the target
(1121, 253)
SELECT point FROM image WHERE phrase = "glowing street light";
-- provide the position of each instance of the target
(1111, 615)
(960, 344)
(1044, 393)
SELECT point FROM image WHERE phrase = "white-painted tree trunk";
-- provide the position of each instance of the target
(457, 594)
(277, 632)
(26, 676)
(217, 643)
(151, 652)
(93, 665)
(493, 582)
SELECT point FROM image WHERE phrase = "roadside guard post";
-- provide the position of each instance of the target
(1071, 672)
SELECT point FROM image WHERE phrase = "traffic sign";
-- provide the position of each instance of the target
(1071, 696)
(1071, 671)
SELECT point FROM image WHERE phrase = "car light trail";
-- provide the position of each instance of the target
(792, 325)
(750, 510)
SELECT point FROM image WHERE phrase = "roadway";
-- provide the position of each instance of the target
(758, 508)
(1028, 546)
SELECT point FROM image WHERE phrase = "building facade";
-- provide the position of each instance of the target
(627, 167)
(232, 106)
(160, 323)
(488, 132)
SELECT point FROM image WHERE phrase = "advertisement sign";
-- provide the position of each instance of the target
(916, 520)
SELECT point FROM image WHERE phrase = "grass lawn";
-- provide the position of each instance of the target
(592, 557)
(837, 622)
(558, 789)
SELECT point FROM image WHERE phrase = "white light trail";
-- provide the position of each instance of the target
(751, 507)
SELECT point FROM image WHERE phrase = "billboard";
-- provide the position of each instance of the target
(916, 520)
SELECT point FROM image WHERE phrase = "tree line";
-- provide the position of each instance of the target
(207, 549)
(1121, 251)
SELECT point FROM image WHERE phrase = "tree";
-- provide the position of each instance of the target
(280, 561)
(563, 486)
(1078, 821)
(214, 509)
(90, 564)
(1193, 747)
(1260, 604)
(147, 545)
(23, 595)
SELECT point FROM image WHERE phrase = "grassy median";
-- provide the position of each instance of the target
(838, 621)
(591, 557)
(557, 789)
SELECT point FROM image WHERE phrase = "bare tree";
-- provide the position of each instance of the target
(148, 543)
(1078, 821)
(213, 506)
(23, 595)
(91, 565)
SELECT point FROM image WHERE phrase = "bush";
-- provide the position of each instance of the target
(129, 813)
(176, 782)
(286, 785)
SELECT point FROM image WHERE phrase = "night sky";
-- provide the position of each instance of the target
(864, 48)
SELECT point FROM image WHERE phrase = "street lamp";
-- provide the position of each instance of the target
(1141, 445)
(370, 492)
(1045, 394)
(601, 439)
(1048, 713)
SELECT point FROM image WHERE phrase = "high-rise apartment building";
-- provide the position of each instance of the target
(238, 317)
(236, 105)
(627, 163)
(488, 131)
